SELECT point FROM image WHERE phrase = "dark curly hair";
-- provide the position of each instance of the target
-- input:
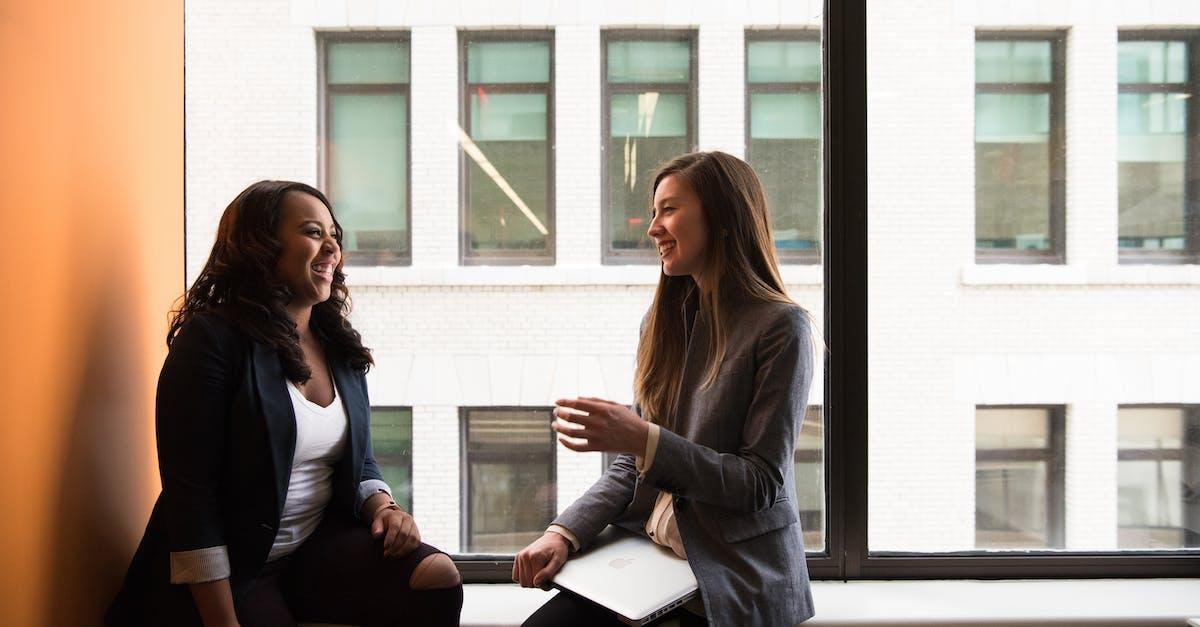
(239, 285)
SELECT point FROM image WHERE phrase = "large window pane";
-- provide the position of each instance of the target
(391, 436)
(1015, 147)
(784, 137)
(1153, 156)
(507, 210)
(1158, 481)
(510, 482)
(366, 147)
(1009, 145)
(648, 118)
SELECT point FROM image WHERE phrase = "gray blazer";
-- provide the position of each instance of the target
(726, 454)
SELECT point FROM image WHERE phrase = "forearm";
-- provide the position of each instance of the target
(602, 503)
(214, 601)
(743, 482)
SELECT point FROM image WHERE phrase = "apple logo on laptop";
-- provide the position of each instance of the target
(620, 563)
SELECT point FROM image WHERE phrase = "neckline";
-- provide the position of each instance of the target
(295, 391)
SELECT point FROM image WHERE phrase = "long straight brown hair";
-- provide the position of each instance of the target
(741, 266)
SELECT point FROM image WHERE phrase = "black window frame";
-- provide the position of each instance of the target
(610, 256)
(1189, 455)
(1056, 89)
(844, 56)
(485, 564)
(324, 38)
(1054, 454)
(792, 257)
(504, 258)
(379, 459)
(1191, 186)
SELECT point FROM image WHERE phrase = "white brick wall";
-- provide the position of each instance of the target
(945, 335)
(722, 88)
(434, 145)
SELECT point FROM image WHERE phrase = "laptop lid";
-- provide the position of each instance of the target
(630, 575)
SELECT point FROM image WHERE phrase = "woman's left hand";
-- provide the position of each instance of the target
(609, 427)
(398, 530)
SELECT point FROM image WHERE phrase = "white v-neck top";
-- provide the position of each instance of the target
(320, 443)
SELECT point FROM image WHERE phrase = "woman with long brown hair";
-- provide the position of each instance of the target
(273, 508)
(705, 464)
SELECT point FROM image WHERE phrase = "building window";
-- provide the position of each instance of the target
(507, 139)
(391, 438)
(649, 117)
(1157, 113)
(1158, 477)
(783, 135)
(509, 477)
(1019, 144)
(1019, 477)
(365, 153)
(810, 478)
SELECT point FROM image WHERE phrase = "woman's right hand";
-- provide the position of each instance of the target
(537, 563)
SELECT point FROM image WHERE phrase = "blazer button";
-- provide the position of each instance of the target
(680, 503)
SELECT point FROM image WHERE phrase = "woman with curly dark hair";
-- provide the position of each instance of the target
(273, 508)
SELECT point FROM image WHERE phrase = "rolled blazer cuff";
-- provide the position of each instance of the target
(200, 565)
(366, 490)
(566, 533)
(643, 462)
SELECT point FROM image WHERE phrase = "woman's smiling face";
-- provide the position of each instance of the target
(679, 229)
(310, 252)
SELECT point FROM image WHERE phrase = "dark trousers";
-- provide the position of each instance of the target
(575, 611)
(339, 575)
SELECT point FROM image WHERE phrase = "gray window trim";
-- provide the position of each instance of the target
(365, 258)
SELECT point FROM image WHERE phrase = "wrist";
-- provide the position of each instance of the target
(556, 536)
(388, 505)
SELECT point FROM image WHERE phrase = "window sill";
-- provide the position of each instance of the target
(1096, 602)
(392, 276)
(1046, 274)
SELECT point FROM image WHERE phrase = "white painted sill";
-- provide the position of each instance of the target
(1049, 274)
(958, 603)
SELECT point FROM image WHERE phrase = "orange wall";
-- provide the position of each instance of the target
(91, 258)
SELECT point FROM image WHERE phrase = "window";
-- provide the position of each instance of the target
(810, 479)
(1019, 165)
(783, 138)
(391, 436)
(1018, 477)
(1159, 210)
(365, 154)
(508, 476)
(1158, 477)
(507, 148)
(649, 117)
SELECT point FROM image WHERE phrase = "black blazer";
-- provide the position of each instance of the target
(226, 435)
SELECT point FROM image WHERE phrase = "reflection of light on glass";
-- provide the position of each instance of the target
(630, 162)
(647, 102)
(477, 155)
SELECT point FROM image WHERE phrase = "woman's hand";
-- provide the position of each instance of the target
(540, 561)
(398, 530)
(607, 426)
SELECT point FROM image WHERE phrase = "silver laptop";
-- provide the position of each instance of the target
(635, 578)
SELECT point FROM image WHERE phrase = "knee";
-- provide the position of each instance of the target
(435, 571)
